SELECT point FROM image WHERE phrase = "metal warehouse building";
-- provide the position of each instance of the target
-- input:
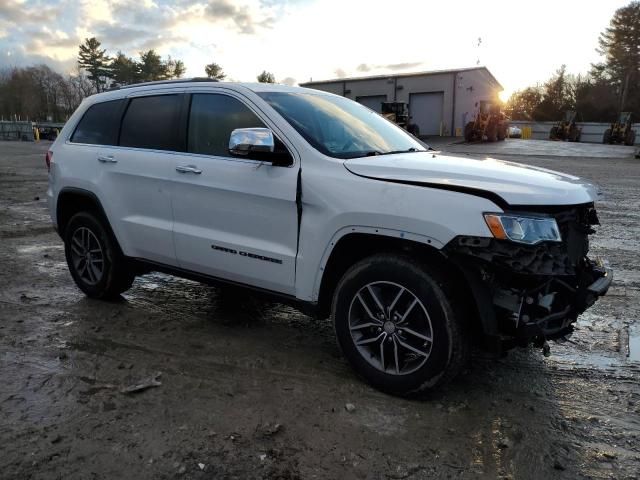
(440, 102)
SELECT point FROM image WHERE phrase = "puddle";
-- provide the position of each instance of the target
(634, 345)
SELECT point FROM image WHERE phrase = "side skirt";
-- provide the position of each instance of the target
(307, 308)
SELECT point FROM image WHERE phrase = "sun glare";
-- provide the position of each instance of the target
(504, 95)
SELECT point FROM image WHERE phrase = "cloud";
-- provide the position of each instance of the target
(12, 11)
(366, 67)
(401, 66)
(246, 20)
(289, 81)
(340, 73)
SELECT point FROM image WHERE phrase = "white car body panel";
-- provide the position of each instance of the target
(516, 184)
(174, 218)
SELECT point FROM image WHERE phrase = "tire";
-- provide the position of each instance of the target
(492, 133)
(573, 135)
(502, 134)
(630, 138)
(469, 133)
(434, 316)
(553, 134)
(606, 138)
(86, 234)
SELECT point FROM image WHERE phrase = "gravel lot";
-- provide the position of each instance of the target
(257, 390)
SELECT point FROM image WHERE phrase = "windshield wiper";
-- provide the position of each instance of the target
(408, 150)
(375, 153)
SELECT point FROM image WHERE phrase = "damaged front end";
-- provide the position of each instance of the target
(533, 292)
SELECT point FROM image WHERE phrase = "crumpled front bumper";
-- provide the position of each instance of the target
(527, 293)
(560, 323)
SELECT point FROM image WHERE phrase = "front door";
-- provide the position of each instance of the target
(234, 218)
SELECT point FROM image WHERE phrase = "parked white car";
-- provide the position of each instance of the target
(327, 206)
(515, 132)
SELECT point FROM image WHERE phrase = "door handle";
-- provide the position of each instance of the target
(107, 159)
(188, 169)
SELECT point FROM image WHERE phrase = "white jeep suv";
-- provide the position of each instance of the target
(330, 207)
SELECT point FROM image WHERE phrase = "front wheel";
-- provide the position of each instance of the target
(94, 258)
(397, 327)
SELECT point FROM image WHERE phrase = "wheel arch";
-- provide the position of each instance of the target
(72, 200)
(360, 243)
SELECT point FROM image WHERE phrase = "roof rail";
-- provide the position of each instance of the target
(165, 82)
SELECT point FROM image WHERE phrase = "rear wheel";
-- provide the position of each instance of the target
(397, 327)
(491, 133)
(553, 134)
(606, 138)
(469, 134)
(94, 258)
(630, 138)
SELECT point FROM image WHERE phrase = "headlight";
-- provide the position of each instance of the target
(522, 229)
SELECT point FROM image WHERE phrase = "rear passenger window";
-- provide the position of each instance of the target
(152, 122)
(99, 124)
(212, 119)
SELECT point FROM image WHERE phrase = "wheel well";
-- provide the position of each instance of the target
(73, 201)
(354, 247)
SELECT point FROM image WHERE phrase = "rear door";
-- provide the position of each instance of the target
(137, 175)
(234, 218)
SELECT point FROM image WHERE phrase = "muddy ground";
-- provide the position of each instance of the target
(257, 390)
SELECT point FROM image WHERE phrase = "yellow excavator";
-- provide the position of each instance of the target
(490, 123)
(566, 129)
(398, 113)
(620, 131)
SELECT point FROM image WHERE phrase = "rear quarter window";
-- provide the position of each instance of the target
(152, 122)
(99, 124)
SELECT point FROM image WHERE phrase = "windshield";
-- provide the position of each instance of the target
(340, 127)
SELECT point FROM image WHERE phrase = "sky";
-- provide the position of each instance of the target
(522, 43)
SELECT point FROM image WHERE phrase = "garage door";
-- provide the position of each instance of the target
(374, 102)
(426, 111)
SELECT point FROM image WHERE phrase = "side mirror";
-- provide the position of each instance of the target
(259, 144)
(245, 141)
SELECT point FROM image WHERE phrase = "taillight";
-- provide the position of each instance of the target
(48, 158)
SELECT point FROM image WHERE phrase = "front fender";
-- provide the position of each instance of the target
(351, 229)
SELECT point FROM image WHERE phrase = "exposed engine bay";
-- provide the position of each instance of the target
(535, 292)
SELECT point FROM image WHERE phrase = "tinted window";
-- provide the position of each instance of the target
(211, 121)
(152, 122)
(99, 124)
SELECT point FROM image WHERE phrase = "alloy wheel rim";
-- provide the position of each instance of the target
(390, 328)
(87, 256)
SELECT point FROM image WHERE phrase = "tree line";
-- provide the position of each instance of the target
(38, 93)
(610, 87)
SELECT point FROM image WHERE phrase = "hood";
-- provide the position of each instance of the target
(505, 183)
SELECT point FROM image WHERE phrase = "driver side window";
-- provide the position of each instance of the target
(212, 118)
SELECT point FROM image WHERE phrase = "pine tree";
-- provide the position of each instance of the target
(620, 45)
(214, 71)
(95, 61)
(152, 67)
(266, 77)
(124, 70)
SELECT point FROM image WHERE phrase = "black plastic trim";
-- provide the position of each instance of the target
(82, 192)
(308, 308)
